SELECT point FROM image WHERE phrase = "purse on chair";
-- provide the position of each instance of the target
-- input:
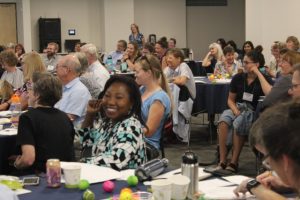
(151, 152)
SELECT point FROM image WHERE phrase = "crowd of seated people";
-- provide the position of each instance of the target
(115, 115)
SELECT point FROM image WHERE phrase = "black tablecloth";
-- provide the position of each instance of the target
(42, 192)
(7, 148)
(211, 97)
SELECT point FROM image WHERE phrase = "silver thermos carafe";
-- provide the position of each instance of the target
(189, 168)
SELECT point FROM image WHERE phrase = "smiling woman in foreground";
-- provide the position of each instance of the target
(118, 143)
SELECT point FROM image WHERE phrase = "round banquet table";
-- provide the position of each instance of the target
(210, 97)
(42, 192)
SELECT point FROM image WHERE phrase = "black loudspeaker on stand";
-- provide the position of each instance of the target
(49, 31)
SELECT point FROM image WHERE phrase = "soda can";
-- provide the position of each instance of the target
(53, 171)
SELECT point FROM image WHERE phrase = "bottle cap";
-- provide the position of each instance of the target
(15, 98)
(189, 158)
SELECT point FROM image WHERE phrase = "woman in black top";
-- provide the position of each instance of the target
(44, 132)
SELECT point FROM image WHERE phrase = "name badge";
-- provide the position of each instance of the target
(50, 67)
(248, 96)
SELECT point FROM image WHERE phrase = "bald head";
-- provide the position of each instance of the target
(68, 68)
(91, 52)
(71, 62)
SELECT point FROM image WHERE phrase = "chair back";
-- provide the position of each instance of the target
(196, 68)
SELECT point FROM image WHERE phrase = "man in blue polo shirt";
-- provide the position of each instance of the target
(75, 95)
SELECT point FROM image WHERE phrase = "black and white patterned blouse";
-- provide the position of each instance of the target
(119, 146)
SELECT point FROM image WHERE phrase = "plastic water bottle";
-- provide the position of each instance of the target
(15, 108)
(109, 64)
(191, 54)
(151, 169)
(118, 65)
(124, 67)
(189, 168)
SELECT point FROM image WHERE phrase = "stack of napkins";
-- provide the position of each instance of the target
(9, 131)
(4, 121)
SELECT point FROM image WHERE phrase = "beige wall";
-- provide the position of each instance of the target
(105, 27)
(118, 15)
(163, 18)
(265, 23)
(84, 16)
(205, 24)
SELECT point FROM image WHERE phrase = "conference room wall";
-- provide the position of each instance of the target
(205, 24)
(83, 16)
(271, 20)
(163, 18)
(103, 22)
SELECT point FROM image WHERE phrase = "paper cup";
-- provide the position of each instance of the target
(180, 186)
(72, 175)
(161, 189)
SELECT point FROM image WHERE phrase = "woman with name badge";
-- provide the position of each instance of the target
(245, 90)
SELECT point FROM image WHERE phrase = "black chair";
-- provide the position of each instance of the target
(196, 68)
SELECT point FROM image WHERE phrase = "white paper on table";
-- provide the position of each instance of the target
(214, 183)
(9, 131)
(200, 81)
(223, 80)
(236, 179)
(4, 120)
(22, 191)
(126, 173)
(201, 174)
(8, 113)
(93, 173)
(223, 193)
(220, 189)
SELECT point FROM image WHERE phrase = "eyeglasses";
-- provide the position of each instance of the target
(247, 62)
(265, 163)
(294, 86)
(29, 85)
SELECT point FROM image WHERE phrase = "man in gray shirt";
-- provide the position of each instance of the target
(50, 58)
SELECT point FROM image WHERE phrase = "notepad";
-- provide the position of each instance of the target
(94, 173)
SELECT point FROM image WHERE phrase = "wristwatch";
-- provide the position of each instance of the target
(252, 184)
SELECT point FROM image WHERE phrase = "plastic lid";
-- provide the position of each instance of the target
(15, 99)
(189, 157)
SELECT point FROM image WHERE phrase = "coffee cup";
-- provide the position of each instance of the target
(161, 189)
(72, 175)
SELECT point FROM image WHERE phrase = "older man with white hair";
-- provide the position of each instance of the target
(95, 67)
(75, 95)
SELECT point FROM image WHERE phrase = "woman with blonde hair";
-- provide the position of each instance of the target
(214, 55)
(32, 63)
(6, 91)
(156, 97)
